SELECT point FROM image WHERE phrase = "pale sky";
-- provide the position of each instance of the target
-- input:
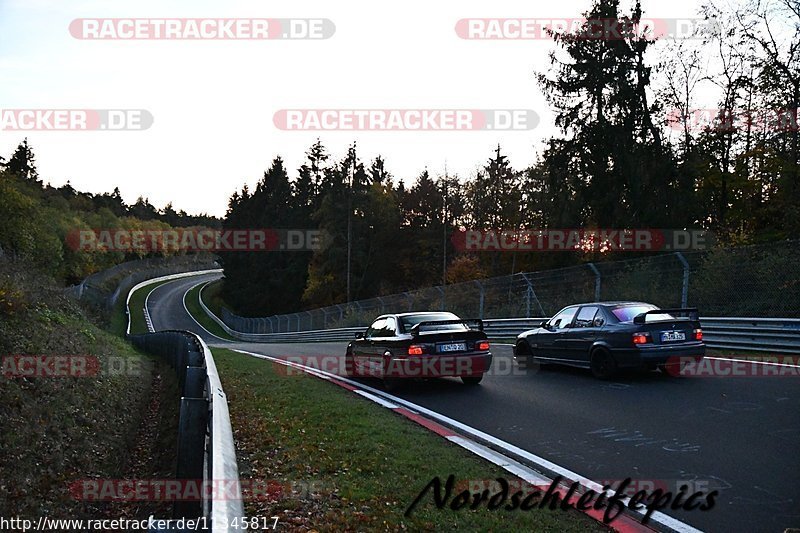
(213, 101)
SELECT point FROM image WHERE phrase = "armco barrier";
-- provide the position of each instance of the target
(777, 335)
(206, 451)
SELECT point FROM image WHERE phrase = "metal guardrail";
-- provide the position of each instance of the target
(95, 289)
(777, 335)
(206, 449)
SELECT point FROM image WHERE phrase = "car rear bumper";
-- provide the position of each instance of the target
(657, 355)
(437, 366)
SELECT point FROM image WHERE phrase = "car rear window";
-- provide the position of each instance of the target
(412, 320)
(628, 313)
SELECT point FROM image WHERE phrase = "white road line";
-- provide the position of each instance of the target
(754, 362)
(376, 399)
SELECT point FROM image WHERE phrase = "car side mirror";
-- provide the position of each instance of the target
(543, 324)
(599, 321)
(359, 335)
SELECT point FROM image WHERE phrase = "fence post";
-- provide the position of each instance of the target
(441, 291)
(685, 289)
(532, 293)
(480, 309)
(310, 321)
(596, 281)
(383, 307)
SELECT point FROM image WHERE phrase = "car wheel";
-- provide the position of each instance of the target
(603, 365)
(471, 380)
(524, 357)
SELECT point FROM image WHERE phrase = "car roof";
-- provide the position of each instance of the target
(423, 313)
(612, 304)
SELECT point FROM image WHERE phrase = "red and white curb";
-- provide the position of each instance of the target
(446, 427)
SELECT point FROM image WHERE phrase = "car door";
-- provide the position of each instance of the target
(579, 338)
(549, 341)
(383, 339)
(363, 349)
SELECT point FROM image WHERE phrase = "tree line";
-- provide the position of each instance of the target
(629, 153)
(36, 218)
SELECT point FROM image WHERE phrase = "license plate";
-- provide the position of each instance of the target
(454, 347)
(671, 336)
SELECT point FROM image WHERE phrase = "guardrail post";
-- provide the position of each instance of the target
(191, 452)
(480, 309)
(596, 281)
(685, 288)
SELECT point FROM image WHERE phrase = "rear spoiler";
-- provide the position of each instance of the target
(465, 321)
(691, 311)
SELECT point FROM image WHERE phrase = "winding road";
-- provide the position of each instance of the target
(739, 436)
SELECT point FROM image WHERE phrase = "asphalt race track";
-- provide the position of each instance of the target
(738, 435)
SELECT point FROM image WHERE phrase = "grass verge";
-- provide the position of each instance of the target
(192, 301)
(61, 427)
(366, 464)
(212, 296)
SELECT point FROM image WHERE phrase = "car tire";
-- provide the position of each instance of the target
(471, 380)
(524, 357)
(602, 364)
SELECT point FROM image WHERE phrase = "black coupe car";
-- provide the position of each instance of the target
(607, 336)
(420, 345)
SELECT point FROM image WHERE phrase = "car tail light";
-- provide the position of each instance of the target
(641, 338)
(483, 346)
(698, 334)
(416, 349)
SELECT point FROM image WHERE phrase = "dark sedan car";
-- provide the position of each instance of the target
(607, 336)
(420, 345)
